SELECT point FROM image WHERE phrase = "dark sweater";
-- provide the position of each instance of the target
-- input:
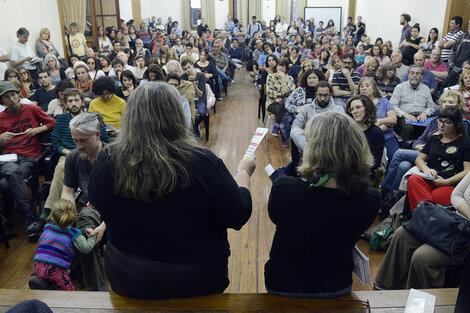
(188, 226)
(375, 138)
(316, 231)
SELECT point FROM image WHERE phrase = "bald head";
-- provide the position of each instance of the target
(123, 57)
(419, 58)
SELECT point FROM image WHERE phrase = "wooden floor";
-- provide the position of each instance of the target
(231, 130)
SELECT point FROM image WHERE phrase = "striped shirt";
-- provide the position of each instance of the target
(450, 36)
(342, 82)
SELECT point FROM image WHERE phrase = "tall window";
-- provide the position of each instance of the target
(293, 10)
(195, 12)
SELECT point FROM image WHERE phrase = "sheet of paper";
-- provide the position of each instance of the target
(9, 157)
(255, 141)
(269, 169)
(361, 266)
(420, 302)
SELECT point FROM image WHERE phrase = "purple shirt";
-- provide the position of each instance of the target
(384, 106)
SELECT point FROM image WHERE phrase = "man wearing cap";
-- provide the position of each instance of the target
(19, 126)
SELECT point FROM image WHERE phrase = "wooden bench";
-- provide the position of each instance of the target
(86, 301)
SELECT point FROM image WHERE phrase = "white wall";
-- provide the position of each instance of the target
(161, 8)
(33, 15)
(125, 10)
(221, 11)
(333, 3)
(428, 13)
(269, 10)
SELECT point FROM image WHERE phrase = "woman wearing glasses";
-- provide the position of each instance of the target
(409, 262)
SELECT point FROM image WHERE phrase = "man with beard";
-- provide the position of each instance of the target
(19, 126)
(85, 130)
(62, 144)
(412, 101)
(322, 103)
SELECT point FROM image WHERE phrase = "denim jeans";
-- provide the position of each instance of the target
(402, 161)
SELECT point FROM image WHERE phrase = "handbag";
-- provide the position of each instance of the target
(438, 226)
(381, 235)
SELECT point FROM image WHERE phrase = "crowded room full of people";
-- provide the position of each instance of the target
(123, 166)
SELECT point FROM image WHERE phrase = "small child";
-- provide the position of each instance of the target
(57, 246)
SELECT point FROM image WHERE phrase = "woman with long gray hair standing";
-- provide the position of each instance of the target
(167, 202)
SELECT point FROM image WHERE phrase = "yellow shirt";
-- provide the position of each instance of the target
(111, 110)
(77, 42)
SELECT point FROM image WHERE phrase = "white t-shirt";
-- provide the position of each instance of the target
(3, 65)
(20, 51)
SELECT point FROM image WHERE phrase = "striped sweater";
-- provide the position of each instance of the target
(62, 137)
(56, 246)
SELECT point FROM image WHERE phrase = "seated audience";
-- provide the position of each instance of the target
(11, 74)
(409, 262)
(465, 90)
(428, 77)
(57, 106)
(128, 82)
(51, 64)
(93, 68)
(401, 68)
(364, 112)
(436, 66)
(279, 86)
(110, 106)
(386, 115)
(345, 81)
(206, 66)
(140, 67)
(83, 81)
(20, 125)
(175, 80)
(186, 88)
(413, 102)
(388, 80)
(154, 72)
(27, 80)
(46, 93)
(323, 102)
(404, 159)
(140, 50)
(330, 205)
(195, 263)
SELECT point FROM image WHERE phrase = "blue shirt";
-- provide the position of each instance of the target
(428, 79)
(262, 58)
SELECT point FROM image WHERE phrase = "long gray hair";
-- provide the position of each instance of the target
(153, 152)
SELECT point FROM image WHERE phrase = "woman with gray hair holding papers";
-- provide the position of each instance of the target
(320, 215)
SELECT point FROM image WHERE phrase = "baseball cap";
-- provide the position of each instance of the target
(6, 86)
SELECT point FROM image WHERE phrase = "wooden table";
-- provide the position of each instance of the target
(85, 301)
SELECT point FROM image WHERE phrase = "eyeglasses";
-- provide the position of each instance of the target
(90, 62)
(356, 108)
(12, 76)
(444, 122)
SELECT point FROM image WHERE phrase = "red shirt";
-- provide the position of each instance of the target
(440, 67)
(31, 116)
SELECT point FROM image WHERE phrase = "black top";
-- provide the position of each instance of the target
(375, 138)
(409, 52)
(390, 87)
(447, 158)
(188, 226)
(201, 85)
(76, 172)
(316, 231)
(43, 97)
(209, 69)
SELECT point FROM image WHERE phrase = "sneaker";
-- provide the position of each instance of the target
(238, 66)
(39, 284)
(35, 228)
(275, 131)
(220, 98)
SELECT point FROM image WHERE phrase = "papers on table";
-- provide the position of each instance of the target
(418, 123)
(255, 141)
(420, 302)
(361, 266)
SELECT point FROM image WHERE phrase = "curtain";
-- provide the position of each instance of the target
(283, 9)
(300, 6)
(256, 9)
(208, 12)
(74, 11)
(185, 15)
(243, 12)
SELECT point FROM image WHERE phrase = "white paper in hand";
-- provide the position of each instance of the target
(361, 266)
(255, 141)
(9, 157)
